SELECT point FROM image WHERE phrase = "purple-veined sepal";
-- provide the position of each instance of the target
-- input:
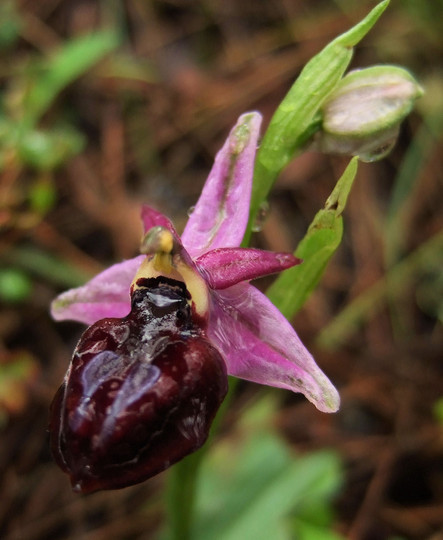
(260, 345)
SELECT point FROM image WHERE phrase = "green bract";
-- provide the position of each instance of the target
(297, 117)
(292, 288)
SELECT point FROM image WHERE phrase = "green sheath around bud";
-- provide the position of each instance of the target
(362, 115)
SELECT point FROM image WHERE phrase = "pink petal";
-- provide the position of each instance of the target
(260, 345)
(224, 267)
(153, 218)
(219, 219)
(105, 295)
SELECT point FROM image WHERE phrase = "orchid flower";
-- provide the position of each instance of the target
(184, 305)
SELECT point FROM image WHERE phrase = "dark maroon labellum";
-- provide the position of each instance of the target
(140, 394)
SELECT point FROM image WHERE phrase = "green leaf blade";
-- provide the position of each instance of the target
(75, 58)
(293, 287)
(250, 494)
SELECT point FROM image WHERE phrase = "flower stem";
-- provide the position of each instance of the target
(181, 493)
(183, 479)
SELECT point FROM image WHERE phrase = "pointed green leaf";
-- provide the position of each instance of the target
(291, 289)
(295, 120)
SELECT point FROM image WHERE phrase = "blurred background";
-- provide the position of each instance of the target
(92, 127)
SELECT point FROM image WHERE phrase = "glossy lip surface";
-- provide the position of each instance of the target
(141, 392)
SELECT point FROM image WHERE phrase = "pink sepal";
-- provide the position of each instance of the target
(105, 295)
(260, 345)
(220, 216)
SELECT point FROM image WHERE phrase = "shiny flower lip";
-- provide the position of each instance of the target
(141, 391)
(228, 317)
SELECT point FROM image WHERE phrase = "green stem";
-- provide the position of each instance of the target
(183, 479)
(181, 494)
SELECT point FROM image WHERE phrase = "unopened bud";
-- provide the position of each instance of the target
(362, 115)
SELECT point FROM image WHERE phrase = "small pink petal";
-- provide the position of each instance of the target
(153, 218)
(224, 267)
(260, 345)
(105, 295)
(220, 216)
